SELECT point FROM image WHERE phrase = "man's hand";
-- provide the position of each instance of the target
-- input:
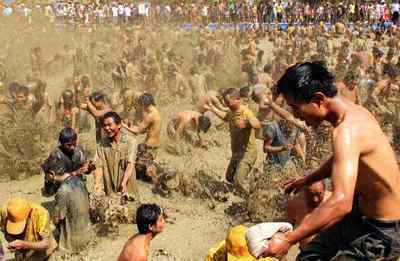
(294, 185)
(18, 245)
(278, 246)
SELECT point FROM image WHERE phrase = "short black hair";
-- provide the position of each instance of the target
(244, 92)
(113, 115)
(146, 99)
(267, 68)
(391, 70)
(350, 77)
(97, 96)
(147, 215)
(204, 123)
(67, 135)
(301, 81)
(231, 93)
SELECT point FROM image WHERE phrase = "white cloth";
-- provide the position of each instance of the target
(258, 236)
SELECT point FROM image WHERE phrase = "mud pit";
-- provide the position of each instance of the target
(199, 204)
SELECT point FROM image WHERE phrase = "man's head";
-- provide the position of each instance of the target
(391, 70)
(68, 97)
(232, 98)
(350, 80)
(314, 194)
(146, 100)
(307, 87)
(267, 68)
(67, 139)
(98, 100)
(204, 123)
(111, 124)
(21, 94)
(150, 219)
(18, 211)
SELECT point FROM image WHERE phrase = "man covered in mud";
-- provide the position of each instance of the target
(242, 127)
(67, 158)
(361, 217)
(71, 212)
(185, 123)
(151, 126)
(302, 204)
(115, 159)
(26, 226)
(150, 222)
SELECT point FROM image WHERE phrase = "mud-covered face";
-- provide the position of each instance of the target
(110, 127)
(21, 97)
(233, 103)
(68, 147)
(314, 195)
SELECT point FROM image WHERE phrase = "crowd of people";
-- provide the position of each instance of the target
(122, 80)
(203, 13)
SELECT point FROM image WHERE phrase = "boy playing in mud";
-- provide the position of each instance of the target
(363, 170)
(242, 126)
(186, 121)
(150, 222)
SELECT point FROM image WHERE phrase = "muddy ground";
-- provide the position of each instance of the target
(201, 208)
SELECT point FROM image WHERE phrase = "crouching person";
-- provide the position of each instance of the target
(26, 226)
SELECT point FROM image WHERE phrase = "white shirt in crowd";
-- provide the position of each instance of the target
(114, 11)
(395, 7)
(128, 11)
(121, 9)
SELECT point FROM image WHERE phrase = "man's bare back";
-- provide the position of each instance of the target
(136, 249)
(209, 98)
(154, 127)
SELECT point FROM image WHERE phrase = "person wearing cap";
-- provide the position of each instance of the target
(233, 248)
(26, 227)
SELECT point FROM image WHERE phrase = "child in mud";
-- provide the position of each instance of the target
(150, 223)
(187, 122)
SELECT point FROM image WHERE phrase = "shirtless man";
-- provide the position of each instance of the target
(363, 170)
(151, 125)
(304, 203)
(214, 98)
(186, 121)
(150, 222)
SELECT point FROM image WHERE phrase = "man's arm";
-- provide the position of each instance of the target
(95, 112)
(344, 177)
(220, 114)
(268, 148)
(141, 128)
(287, 116)
(129, 171)
(218, 104)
